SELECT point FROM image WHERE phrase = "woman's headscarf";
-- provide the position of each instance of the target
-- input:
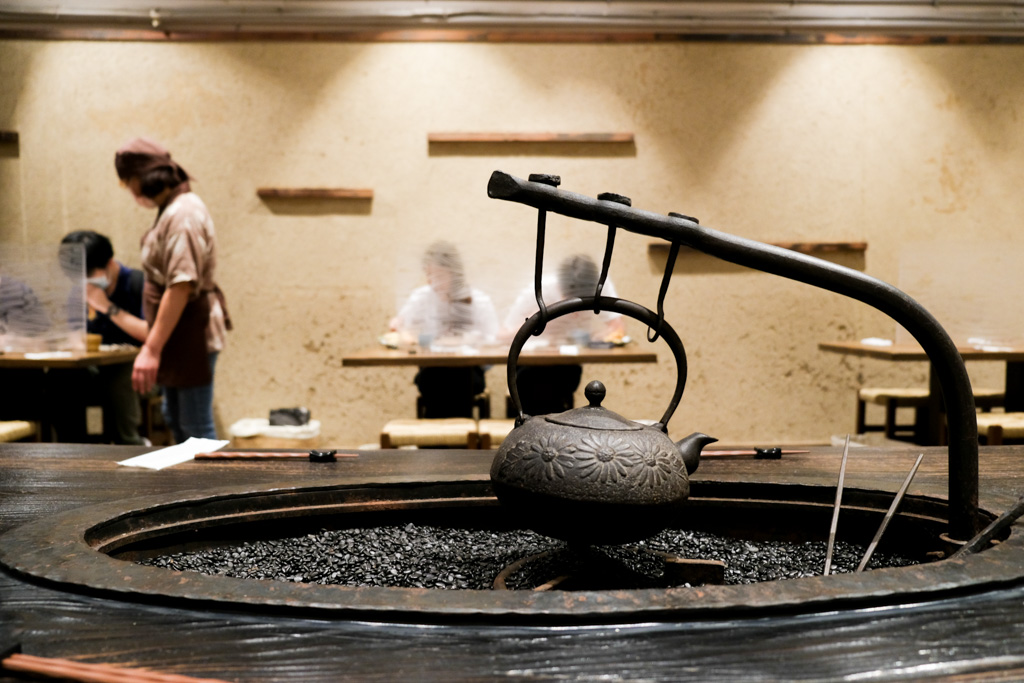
(142, 155)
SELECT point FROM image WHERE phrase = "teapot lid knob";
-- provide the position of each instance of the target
(594, 392)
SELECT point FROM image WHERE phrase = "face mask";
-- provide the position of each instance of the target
(102, 282)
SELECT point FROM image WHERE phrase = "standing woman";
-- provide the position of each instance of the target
(183, 305)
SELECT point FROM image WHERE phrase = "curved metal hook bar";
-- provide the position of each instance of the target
(605, 263)
(942, 352)
(576, 304)
(670, 264)
(538, 271)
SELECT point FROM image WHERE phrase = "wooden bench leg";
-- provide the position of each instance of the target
(994, 435)
(921, 425)
(862, 408)
(385, 441)
(890, 419)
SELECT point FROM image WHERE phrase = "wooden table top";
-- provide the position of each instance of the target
(73, 359)
(498, 355)
(901, 352)
(976, 637)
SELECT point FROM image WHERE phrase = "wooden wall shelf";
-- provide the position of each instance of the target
(812, 248)
(588, 138)
(313, 193)
(8, 136)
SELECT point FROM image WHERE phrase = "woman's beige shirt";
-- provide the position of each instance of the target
(182, 247)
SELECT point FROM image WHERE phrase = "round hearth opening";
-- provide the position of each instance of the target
(431, 551)
(447, 555)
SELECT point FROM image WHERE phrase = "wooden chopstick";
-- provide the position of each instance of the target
(748, 451)
(262, 455)
(92, 673)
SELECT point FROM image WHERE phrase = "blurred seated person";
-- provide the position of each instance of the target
(447, 311)
(21, 313)
(114, 301)
(547, 389)
(22, 317)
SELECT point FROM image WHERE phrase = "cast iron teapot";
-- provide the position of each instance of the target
(589, 475)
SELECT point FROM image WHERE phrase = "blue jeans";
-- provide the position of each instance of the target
(189, 410)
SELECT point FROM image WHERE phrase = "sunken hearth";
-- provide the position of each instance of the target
(424, 556)
(430, 551)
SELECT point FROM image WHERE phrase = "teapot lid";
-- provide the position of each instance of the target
(594, 416)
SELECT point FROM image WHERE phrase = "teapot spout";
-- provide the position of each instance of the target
(690, 448)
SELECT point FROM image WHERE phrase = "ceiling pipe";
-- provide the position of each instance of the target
(923, 17)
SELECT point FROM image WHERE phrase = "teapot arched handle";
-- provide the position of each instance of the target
(603, 303)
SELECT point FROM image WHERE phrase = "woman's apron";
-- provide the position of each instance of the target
(184, 361)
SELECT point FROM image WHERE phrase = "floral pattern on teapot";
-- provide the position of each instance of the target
(598, 458)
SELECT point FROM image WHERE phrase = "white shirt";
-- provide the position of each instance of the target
(561, 329)
(425, 313)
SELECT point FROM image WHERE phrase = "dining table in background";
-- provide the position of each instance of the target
(56, 360)
(1013, 356)
(381, 356)
(417, 356)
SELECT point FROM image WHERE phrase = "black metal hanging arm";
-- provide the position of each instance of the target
(538, 269)
(948, 365)
(609, 244)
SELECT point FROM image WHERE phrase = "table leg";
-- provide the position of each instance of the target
(1014, 387)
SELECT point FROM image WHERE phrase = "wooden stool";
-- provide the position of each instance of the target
(457, 432)
(493, 432)
(998, 426)
(18, 430)
(896, 397)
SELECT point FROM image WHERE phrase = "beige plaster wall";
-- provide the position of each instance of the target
(883, 144)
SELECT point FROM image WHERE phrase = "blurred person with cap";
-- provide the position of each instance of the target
(182, 302)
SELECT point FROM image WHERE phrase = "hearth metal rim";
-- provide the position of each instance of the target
(58, 553)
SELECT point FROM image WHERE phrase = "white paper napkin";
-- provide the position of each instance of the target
(174, 455)
(48, 355)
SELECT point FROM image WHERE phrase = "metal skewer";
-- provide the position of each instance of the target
(835, 511)
(889, 515)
